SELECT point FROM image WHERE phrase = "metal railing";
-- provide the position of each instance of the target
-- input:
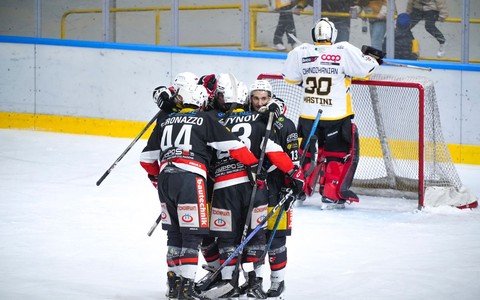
(254, 11)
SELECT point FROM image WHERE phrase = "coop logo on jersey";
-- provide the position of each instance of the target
(331, 57)
(309, 59)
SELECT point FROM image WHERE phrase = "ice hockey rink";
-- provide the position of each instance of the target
(63, 237)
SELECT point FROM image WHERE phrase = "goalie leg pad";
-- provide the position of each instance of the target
(341, 167)
(350, 167)
(332, 178)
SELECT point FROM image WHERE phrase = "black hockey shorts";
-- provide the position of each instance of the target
(183, 197)
(333, 136)
(230, 208)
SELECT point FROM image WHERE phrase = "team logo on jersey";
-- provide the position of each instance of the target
(219, 222)
(187, 218)
(188, 215)
(331, 57)
(309, 59)
(221, 219)
(281, 119)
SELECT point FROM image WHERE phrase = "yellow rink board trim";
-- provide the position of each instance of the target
(76, 125)
(466, 154)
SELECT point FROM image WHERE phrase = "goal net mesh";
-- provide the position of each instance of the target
(402, 151)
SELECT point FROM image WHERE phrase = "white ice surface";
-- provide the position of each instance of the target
(62, 237)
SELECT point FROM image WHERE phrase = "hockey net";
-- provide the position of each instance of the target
(402, 149)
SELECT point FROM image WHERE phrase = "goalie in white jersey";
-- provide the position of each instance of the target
(325, 70)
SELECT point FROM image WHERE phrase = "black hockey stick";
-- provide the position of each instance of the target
(253, 195)
(207, 279)
(157, 221)
(236, 271)
(127, 149)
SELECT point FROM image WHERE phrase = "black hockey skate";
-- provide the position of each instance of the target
(276, 291)
(187, 290)
(328, 203)
(254, 290)
(173, 285)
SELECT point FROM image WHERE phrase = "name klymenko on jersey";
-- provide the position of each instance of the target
(182, 119)
(319, 70)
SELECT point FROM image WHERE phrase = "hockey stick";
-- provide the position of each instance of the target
(207, 279)
(254, 191)
(127, 149)
(236, 271)
(312, 132)
(152, 229)
(272, 236)
(407, 66)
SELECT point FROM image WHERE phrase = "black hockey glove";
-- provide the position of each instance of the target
(276, 105)
(297, 180)
(154, 180)
(164, 99)
(375, 53)
(290, 198)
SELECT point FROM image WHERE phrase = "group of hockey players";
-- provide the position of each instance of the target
(205, 158)
(223, 156)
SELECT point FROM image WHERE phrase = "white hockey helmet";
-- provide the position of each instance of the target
(184, 78)
(324, 31)
(194, 95)
(233, 91)
(261, 85)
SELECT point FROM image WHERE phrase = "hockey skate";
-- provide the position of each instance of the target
(275, 292)
(173, 285)
(332, 204)
(254, 289)
(187, 290)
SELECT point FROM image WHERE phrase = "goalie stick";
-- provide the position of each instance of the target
(209, 278)
(127, 149)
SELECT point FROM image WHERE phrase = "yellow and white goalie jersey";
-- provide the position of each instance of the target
(325, 72)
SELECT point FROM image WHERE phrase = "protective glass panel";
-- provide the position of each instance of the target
(17, 18)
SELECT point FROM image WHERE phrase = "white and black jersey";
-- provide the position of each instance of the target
(325, 72)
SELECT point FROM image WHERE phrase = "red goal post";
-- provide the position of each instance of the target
(402, 149)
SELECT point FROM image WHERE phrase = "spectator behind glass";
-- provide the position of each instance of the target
(378, 24)
(339, 6)
(285, 25)
(406, 47)
(431, 11)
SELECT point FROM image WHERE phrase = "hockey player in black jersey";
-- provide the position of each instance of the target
(285, 134)
(233, 188)
(177, 153)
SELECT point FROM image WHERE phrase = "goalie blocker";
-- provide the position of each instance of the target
(338, 156)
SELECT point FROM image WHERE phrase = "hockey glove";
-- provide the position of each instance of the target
(154, 180)
(210, 84)
(259, 179)
(164, 99)
(375, 53)
(297, 180)
(290, 200)
(276, 105)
